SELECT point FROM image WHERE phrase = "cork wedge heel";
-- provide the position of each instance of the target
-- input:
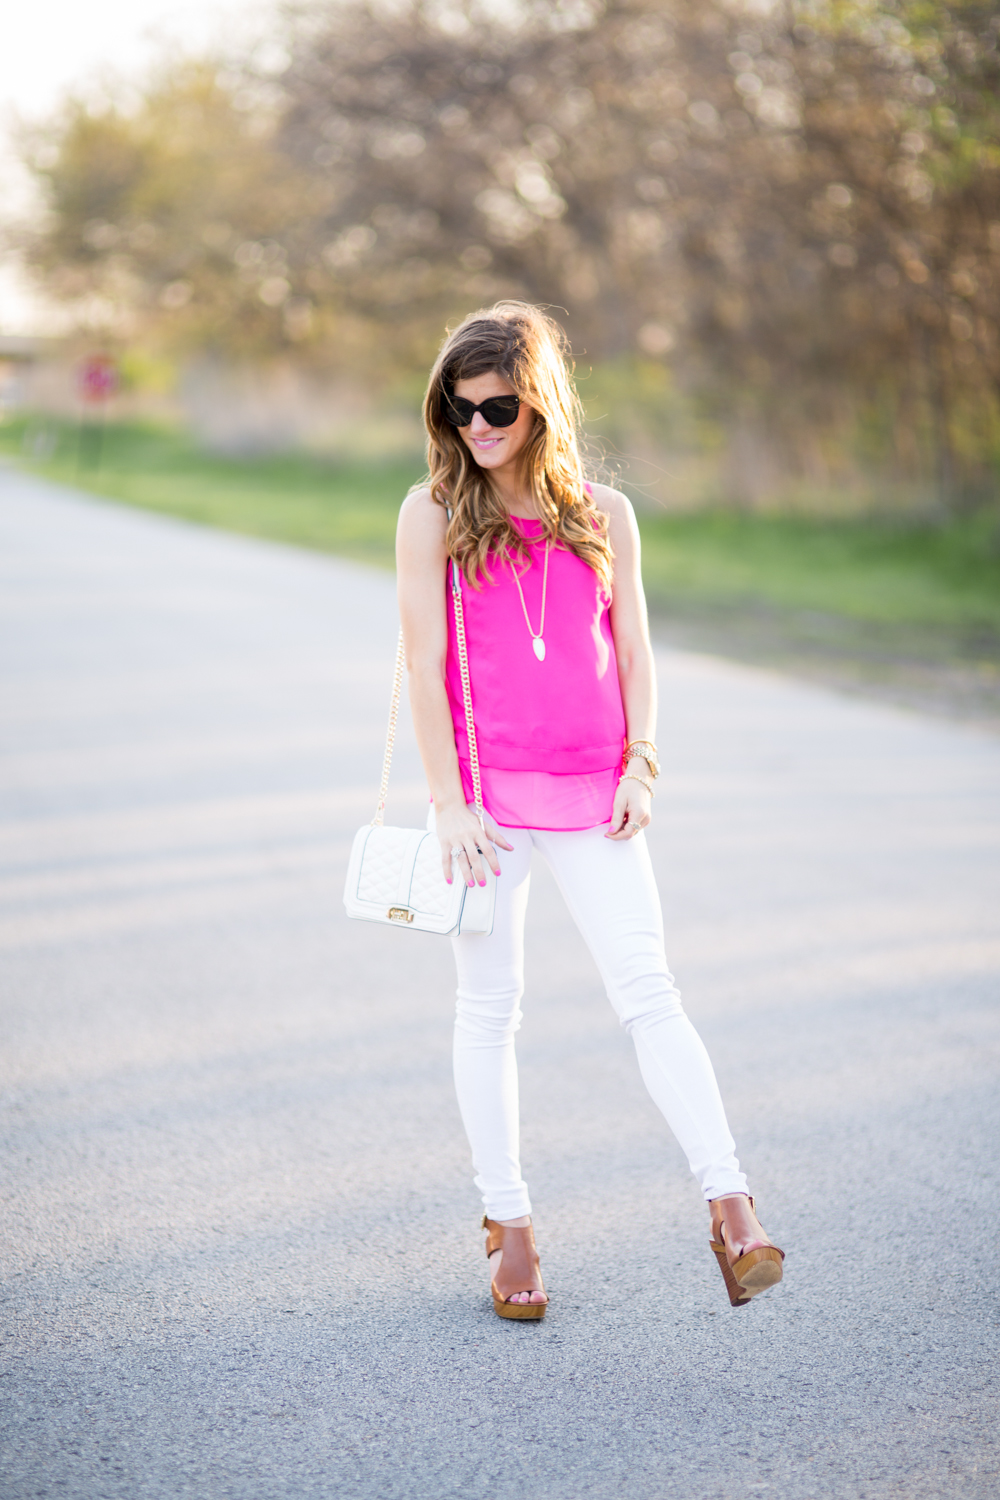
(519, 1270)
(758, 1268)
(737, 1296)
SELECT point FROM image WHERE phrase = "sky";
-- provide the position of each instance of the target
(52, 46)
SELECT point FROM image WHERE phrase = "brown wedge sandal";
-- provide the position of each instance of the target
(758, 1268)
(519, 1270)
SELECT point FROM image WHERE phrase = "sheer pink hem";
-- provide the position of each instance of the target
(545, 799)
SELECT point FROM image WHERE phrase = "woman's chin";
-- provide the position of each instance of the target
(487, 458)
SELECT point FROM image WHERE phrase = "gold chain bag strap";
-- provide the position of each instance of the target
(394, 875)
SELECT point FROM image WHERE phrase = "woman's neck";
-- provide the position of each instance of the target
(516, 497)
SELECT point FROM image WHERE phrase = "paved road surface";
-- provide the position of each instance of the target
(240, 1238)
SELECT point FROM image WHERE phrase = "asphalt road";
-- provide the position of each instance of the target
(240, 1240)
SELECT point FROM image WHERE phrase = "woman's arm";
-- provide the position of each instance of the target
(421, 565)
(636, 670)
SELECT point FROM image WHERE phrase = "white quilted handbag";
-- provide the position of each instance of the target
(395, 875)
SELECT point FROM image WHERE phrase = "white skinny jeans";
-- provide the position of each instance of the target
(611, 894)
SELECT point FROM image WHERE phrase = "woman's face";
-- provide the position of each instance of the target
(493, 447)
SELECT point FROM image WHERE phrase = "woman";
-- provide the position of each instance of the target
(564, 698)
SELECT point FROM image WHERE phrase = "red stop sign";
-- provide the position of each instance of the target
(98, 377)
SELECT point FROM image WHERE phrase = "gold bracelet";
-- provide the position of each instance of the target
(647, 750)
(642, 780)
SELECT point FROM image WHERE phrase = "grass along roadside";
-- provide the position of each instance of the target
(881, 590)
(296, 498)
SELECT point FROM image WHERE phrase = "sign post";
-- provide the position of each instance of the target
(97, 382)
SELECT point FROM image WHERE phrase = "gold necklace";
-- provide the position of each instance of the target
(537, 643)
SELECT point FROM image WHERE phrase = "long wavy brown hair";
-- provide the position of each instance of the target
(531, 352)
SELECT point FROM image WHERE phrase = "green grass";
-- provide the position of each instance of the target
(344, 508)
(892, 577)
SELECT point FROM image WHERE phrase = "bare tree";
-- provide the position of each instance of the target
(798, 210)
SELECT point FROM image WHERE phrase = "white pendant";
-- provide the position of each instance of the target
(538, 646)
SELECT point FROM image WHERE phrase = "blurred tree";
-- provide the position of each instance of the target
(861, 252)
(173, 218)
(799, 213)
(796, 206)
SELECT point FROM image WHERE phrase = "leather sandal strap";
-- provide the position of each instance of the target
(494, 1235)
(519, 1269)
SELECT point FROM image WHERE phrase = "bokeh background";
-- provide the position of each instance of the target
(771, 230)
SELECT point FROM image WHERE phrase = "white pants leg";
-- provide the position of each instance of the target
(490, 986)
(611, 893)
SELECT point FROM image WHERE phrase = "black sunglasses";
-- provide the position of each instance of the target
(499, 411)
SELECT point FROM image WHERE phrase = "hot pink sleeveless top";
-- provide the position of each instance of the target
(550, 733)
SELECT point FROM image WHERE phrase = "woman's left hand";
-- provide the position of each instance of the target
(632, 810)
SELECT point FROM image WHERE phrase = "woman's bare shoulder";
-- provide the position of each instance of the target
(421, 514)
(419, 500)
(615, 505)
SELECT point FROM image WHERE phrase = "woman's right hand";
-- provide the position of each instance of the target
(458, 828)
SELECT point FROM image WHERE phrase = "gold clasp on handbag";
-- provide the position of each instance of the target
(400, 914)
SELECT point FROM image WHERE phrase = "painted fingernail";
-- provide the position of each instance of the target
(482, 882)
